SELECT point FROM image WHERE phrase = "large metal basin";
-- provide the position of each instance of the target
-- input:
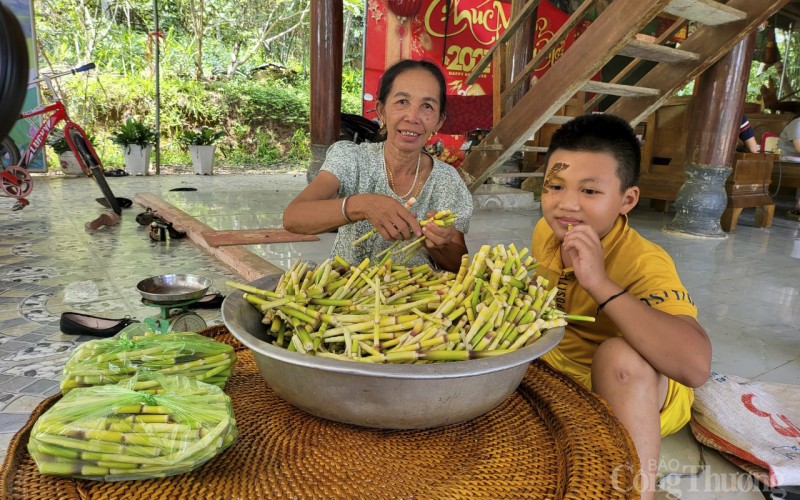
(381, 395)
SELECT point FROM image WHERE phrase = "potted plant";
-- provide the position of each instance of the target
(200, 143)
(137, 140)
(69, 164)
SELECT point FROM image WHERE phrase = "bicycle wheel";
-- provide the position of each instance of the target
(84, 153)
(18, 184)
(13, 69)
(9, 153)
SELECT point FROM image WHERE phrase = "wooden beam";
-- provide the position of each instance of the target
(554, 40)
(498, 82)
(673, 28)
(620, 21)
(705, 41)
(513, 26)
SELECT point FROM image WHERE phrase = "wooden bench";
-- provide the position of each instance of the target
(748, 187)
(786, 172)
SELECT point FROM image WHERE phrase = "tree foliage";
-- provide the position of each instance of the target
(234, 65)
(201, 38)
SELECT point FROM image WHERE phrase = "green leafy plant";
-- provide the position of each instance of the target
(202, 136)
(134, 132)
(59, 144)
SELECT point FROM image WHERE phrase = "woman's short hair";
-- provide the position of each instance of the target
(400, 67)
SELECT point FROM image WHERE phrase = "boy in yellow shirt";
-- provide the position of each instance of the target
(646, 349)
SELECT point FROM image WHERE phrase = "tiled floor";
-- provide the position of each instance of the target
(747, 286)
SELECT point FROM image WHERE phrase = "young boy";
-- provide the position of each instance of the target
(646, 348)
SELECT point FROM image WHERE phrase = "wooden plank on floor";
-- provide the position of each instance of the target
(249, 265)
(254, 237)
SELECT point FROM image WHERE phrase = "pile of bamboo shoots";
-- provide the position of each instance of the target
(391, 313)
(113, 433)
(112, 360)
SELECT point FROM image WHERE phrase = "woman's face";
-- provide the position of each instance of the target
(412, 111)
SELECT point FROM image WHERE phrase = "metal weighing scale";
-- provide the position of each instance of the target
(173, 293)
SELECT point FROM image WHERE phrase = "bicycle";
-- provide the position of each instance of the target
(15, 180)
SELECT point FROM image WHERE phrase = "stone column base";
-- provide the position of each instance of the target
(700, 202)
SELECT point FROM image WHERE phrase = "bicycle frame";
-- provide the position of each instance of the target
(39, 139)
(59, 114)
(17, 182)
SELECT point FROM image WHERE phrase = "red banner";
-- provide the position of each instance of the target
(456, 34)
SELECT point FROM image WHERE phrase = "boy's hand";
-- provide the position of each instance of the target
(582, 246)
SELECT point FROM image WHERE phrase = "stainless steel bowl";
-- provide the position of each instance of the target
(381, 395)
(170, 288)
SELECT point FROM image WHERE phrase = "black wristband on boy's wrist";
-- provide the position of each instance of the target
(601, 306)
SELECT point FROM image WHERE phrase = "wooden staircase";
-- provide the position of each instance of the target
(721, 26)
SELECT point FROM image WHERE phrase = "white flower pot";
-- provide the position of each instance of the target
(70, 165)
(137, 159)
(202, 159)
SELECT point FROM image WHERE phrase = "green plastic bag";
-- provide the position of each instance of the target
(114, 433)
(112, 360)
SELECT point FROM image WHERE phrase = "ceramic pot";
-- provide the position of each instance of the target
(70, 165)
(202, 159)
(137, 159)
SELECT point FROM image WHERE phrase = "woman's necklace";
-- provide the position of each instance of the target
(391, 177)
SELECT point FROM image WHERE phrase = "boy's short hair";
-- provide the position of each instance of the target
(602, 133)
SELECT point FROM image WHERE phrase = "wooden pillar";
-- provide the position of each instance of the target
(326, 79)
(713, 131)
(519, 55)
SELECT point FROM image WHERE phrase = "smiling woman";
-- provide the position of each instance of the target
(387, 187)
(13, 70)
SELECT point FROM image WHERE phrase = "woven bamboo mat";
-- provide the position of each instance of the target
(550, 439)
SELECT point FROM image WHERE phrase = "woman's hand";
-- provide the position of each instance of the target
(388, 216)
(435, 236)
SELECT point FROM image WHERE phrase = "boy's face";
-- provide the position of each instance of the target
(582, 187)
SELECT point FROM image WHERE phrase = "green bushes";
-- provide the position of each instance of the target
(265, 121)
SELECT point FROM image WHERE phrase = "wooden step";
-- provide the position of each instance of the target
(711, 42)
(658, 53)
(619, 90)
(559, 119)
(705, 11)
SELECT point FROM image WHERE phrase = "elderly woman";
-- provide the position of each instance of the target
(390, 185)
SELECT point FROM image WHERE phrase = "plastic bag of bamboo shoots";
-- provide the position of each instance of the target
(114, 433)
(112, 360)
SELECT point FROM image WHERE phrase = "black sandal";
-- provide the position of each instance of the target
(145, 218)
(209, 301)
(174, 233)
(122, 202)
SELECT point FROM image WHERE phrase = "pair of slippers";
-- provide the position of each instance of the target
(117, 172)
(159, 227)
(208, 301)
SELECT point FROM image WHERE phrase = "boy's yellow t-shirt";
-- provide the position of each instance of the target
(637, 264)
(642, 268)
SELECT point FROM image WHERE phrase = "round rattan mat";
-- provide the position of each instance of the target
(550, 439)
